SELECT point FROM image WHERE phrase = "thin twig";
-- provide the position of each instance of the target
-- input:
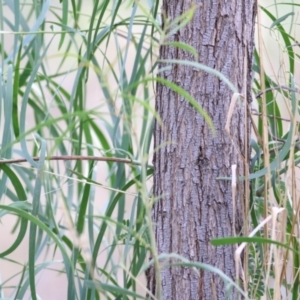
(294, 45)
(71, 157)
(280, 87)
(271, 116)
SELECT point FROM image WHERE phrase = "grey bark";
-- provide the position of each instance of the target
(196, 207)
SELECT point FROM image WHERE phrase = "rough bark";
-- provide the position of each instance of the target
(197, 207)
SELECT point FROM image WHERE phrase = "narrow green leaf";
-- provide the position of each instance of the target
(239, 240)
(84, 202)
(16, 87)
(41, 225)
(286, 39)
(183, 46)
(113, 289)
(64, 21)
(174, 87)
(18, 240)
(33, 227)
(281, 19)
(15, 181)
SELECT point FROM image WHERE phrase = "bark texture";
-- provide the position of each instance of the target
(197, 207)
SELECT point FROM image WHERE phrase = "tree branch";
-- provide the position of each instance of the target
(72, 157)
(280, 87)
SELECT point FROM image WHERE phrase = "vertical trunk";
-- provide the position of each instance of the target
(195, 206)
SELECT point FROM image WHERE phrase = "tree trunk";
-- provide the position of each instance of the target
(197, 207)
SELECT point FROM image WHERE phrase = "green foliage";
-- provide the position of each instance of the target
(77, 85)
(256, 286)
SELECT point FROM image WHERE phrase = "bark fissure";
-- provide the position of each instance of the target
(197, 207)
